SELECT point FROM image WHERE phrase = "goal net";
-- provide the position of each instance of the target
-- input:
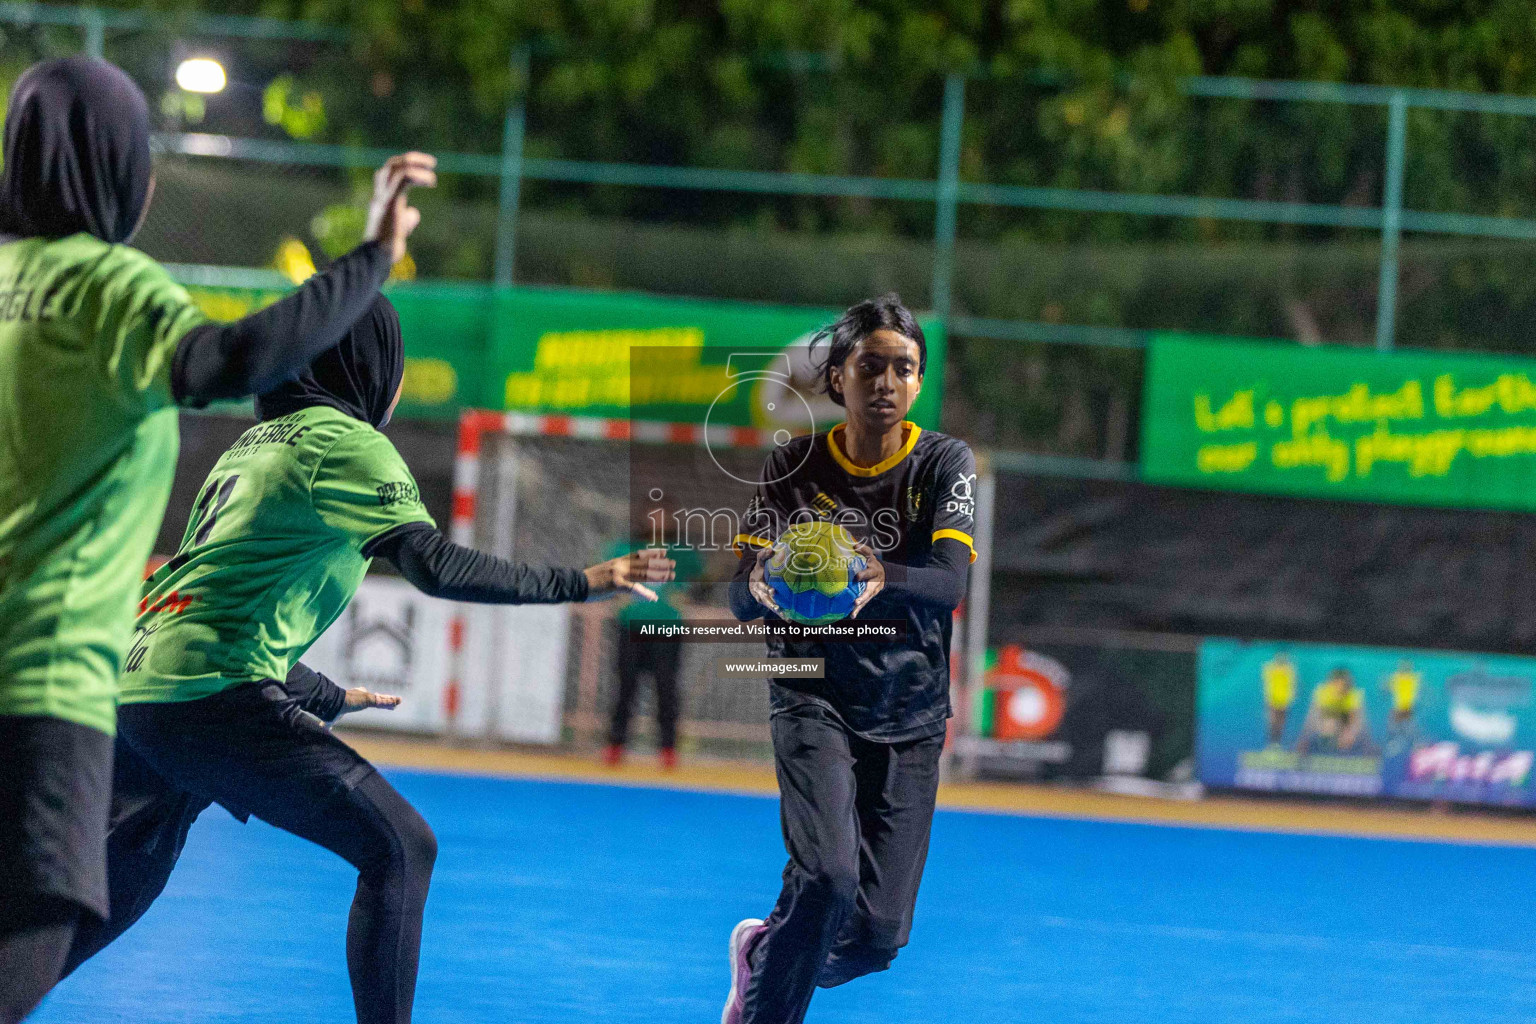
(565, 490)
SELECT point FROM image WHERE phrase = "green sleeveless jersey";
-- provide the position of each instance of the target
(88, 441)
(272, 554)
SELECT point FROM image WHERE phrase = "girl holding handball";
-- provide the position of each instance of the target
(856, 752)
(215, 707)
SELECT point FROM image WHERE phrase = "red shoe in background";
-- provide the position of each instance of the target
(668, 759)
(613, 755)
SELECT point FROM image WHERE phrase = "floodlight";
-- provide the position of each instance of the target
(201, 74)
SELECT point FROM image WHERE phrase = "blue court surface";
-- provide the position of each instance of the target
(560, 903)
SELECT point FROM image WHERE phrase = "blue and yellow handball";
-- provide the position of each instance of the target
(813, 572)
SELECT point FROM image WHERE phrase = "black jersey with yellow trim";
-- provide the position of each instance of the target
(902, 506)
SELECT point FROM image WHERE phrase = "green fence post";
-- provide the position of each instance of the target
(947, 197)
(513, 129)
(95, 32)
(1391, 219)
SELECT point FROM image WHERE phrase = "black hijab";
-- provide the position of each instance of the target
(76, 152)
(359, 376)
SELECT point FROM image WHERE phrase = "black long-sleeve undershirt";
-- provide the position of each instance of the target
(940, 583)
(258, 352)
(315, 693)
(437, 567)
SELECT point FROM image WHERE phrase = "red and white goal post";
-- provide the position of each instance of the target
(540, 674)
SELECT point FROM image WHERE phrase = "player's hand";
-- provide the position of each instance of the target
(757, 582)
(359, 699)
(873, 575)
(631, 572)
(390, 219)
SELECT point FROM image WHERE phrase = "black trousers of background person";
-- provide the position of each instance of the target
(252, 749)
(660, 661)
(856, 817)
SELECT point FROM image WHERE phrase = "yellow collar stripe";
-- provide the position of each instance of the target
(963, 538)
(746, 538)
(913, 432)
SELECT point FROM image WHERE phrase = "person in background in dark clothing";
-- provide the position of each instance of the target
(98, 346)
(278, 541)
(857, 752)
(657, 659)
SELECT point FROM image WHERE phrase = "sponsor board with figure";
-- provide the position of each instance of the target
(1358, 721)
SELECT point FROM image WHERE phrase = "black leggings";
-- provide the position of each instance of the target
(55, 787)
(33, 944)
(289, 772)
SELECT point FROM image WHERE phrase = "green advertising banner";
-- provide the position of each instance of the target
(1414, 428)
(604, 354)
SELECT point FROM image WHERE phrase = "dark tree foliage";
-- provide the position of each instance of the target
(1067, 93)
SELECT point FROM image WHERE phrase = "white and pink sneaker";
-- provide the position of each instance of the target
(743, 938)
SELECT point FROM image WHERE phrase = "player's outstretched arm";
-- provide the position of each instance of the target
(631, 573)
(255, 354)
(438, 567)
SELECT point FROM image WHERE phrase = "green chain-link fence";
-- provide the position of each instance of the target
(1054, 229)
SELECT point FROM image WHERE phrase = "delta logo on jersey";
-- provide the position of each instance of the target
(962, 495)
(1029, 693)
